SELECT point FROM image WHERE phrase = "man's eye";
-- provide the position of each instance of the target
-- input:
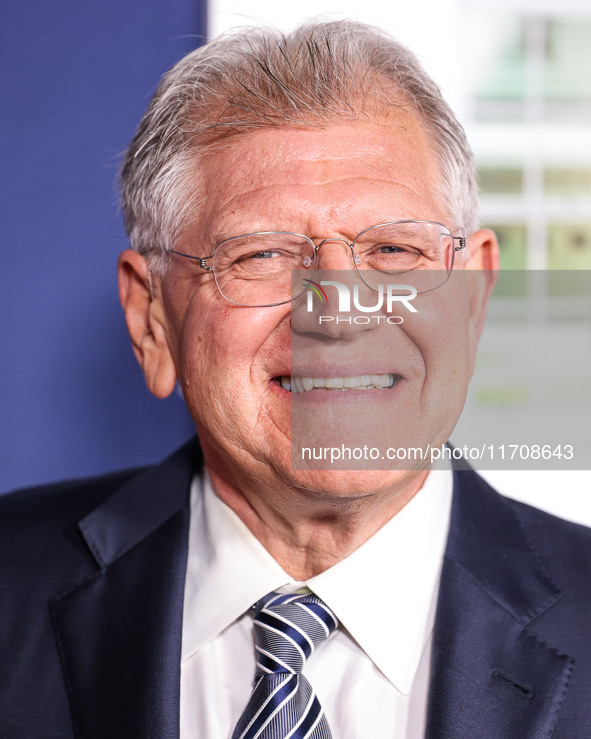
(392, 256)
(257, 255)
(395, 249)
(262, 255)
(263, 261)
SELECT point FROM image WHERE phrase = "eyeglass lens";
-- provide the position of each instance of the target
(256, 269)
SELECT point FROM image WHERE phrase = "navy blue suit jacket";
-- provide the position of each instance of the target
(91, 594)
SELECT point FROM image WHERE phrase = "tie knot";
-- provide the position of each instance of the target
(287, 629)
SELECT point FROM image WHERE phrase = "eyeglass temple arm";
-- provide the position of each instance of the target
(201, 260)
(462, 240)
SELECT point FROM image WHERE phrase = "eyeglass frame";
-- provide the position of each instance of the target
(316, 247)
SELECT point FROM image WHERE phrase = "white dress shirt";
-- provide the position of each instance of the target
(371, 676)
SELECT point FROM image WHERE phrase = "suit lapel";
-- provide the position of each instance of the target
(119, 631)
(491, 676)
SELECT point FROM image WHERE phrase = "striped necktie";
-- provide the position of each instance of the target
(287, 629)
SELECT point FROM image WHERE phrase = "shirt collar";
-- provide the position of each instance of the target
(228, 569)
(383, 593)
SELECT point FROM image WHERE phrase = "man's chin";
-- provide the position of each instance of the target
(351, 484)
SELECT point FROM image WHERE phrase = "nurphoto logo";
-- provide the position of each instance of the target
(386, 296)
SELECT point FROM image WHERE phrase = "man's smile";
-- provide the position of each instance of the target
(301, 384)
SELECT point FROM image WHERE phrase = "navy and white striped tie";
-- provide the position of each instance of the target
(287, 629)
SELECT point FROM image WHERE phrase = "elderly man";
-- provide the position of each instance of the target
(233, 591)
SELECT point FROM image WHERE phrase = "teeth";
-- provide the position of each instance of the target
(363, 382)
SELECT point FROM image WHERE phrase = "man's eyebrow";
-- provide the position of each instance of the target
(403, 229)
(218, 235)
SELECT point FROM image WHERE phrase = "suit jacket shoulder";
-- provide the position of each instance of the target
(82, 600)
(566, 542)
(561, 548)
(36, 522)
(511, 652)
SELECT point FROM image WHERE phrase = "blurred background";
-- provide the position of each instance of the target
(76, 79)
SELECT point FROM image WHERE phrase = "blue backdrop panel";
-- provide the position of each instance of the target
(76, 77)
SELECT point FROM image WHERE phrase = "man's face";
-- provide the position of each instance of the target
(322, 182)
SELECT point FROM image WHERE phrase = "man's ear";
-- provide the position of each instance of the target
(146, 323)
(482, 267)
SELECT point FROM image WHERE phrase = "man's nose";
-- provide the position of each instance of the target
(330, 306)
(334, 254)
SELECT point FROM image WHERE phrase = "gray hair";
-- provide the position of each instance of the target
(255, 77)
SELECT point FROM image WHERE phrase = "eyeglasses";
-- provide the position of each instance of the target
(273, 267)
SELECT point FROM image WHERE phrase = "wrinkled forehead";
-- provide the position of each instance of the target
(353, 173)
(393, 149)
(374, 138)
